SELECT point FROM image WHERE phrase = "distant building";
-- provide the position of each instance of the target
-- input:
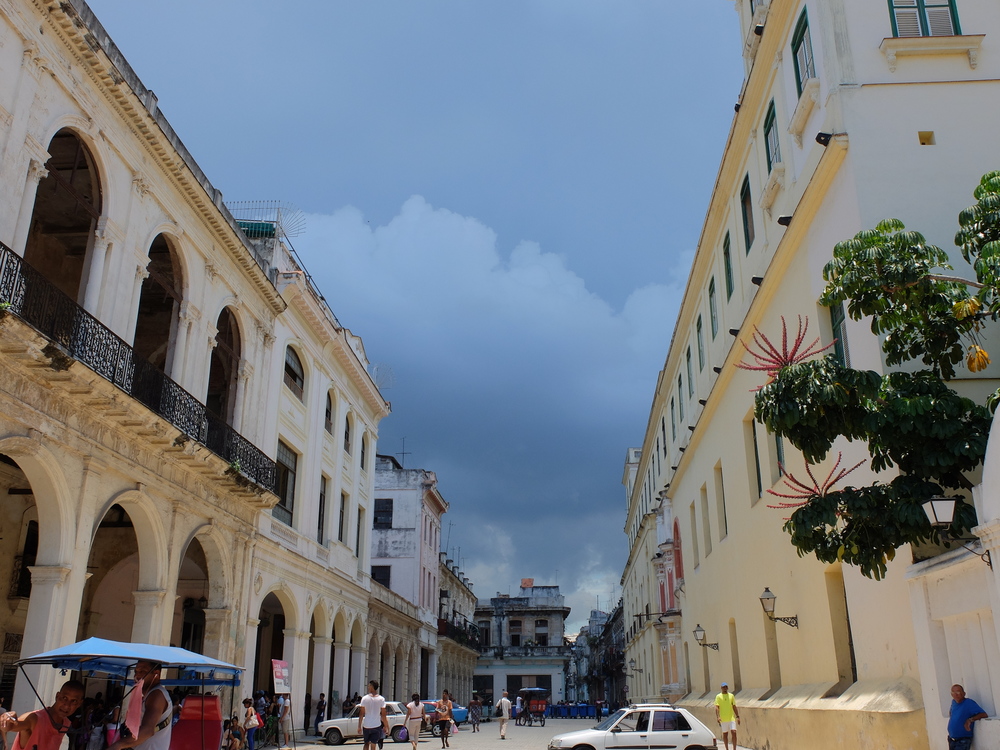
(458, 637)
(406, 536)
(521, 641)
(582, 671)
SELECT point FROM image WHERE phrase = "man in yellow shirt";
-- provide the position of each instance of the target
(727, 714)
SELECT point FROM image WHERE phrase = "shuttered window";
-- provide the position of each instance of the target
(771, 138)
(802, 53)
(924, 18)
(746, 208)
(727, 260)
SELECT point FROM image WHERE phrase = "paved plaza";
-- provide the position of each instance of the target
(518, 738)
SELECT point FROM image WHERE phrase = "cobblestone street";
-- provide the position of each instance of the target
(518, 738)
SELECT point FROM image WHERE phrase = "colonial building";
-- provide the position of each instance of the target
(521, 641)
(406, 537)
(458, 637)
(851, 111)
(187, 433)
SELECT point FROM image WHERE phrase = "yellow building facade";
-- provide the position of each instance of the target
(851, 111)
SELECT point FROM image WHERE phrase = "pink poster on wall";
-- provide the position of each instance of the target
(282, 682)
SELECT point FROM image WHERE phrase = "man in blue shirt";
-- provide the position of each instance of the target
(964, 712)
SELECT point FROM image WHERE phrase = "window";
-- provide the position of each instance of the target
(727, 261)
(342, 521)
(364, 449)
(746, 207)
(285, 466)
(383, 513)
(779, 455)
(837, 320)
(673, 420)
(347, 434)
(515, 632)
(680, 394)
(713, 307)
(720, 503)
(753, 456)
(320, 536)
(690, 372)
(663, 432)
(541, 632)
(701, 345)
(295, 377)
(924, 18)
(357, 532)
(771, 138)
(382, 574)
(802, 53)
(670, 721)
(328, 416)
(484, 635)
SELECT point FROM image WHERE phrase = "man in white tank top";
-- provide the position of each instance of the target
(154, 728)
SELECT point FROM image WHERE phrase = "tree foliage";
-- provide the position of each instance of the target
(910, 419)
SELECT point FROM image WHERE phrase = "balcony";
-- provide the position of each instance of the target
(78, 335)
(522, 652)
(461, 634)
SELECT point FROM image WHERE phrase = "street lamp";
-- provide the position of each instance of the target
(699, 635)
(499, 612)
(767, 600)
(631, 666)
(941, 513)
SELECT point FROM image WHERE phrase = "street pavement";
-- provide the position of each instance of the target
(488, 738)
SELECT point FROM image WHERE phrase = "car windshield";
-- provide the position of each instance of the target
(611, 720)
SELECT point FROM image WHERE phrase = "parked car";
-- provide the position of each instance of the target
(645, 725)
(459, 713)
(338, 731)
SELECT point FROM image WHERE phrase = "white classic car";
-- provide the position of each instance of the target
(338, 731)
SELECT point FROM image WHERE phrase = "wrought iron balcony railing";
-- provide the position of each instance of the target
(25, 292)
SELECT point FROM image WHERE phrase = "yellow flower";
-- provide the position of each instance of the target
(978, 359)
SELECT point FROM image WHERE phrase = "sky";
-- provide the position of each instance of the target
(502, 198)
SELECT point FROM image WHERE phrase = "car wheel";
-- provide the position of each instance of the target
(397, 734)
(333, 736)
(541, 720)
(435, 730)
(583, 747)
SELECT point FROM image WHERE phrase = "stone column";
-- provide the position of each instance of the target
(341, 657)
(432, 677)
(93, 270)
(250, 654)
(358, 668)
(296, 653)
(36, 173)
(185, 317)
(217, 634)
(321, 668)
(243, 377)
(151, 621)
(49, 603)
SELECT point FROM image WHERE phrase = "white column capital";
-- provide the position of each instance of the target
(48, 574)
(322, 640)
(148, 598)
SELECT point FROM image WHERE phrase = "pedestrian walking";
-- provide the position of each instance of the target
(444, 717)
(503, 714)
(414, 718)
(727, 714)
(962, 717)
(45, 728)
(373, 723)
(475, 712)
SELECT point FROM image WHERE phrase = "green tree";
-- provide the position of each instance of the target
(911, 418)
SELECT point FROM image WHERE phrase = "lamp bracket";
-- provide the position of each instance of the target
(713, 646)
(793, 621)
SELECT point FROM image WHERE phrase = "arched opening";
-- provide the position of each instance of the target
(64, 217)
(108, 609)
(295, 374)
(18, 551)
(225, 369)
(270, 640)
(159, 305)
(188, 630)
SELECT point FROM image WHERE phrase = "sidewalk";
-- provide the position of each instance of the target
(488, 738)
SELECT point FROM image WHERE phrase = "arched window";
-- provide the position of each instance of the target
(225, 369)
(295, 377)
(159, 304)
(347, 434)
(64, 217)
(328, 417)
(364, 450)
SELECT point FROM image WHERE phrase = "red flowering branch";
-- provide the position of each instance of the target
(802, 492)
(768, 358)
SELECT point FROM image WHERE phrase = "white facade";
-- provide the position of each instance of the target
(148, 507)
(895, 140)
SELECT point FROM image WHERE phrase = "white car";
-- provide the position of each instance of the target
(649, 725)
(337, 731)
